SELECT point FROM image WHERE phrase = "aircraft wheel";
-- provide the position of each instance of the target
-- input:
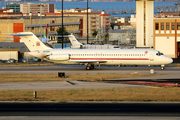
(92, 66)
(88, 68)
(162, 68)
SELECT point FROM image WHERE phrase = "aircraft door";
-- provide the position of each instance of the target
(151, 57)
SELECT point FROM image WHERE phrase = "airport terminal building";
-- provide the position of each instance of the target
(167, 36)
(34, 24)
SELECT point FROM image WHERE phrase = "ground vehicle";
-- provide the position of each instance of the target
(36, 59)
(7, 61)
(13, 60)
(22, 60)
(2, 61)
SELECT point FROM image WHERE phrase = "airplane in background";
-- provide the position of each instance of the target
(91, 57)
(45, 39)
(75, 44)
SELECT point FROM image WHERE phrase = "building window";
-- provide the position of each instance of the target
(167, 26)
(173, 26)
(178, 26)
(162, 26)
(157, 26)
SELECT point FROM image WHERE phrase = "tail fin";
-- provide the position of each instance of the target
(46, 31)
(31, 41)
(74, 41)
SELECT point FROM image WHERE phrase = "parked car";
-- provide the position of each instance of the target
(2, 61)
(35, 59)
(22, 60)
(7, 61)
(13, 60)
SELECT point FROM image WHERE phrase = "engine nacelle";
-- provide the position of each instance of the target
(58, 57)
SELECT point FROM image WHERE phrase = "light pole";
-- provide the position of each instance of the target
(62, 25)
(87, 23)
(41, 5)
(30, 15)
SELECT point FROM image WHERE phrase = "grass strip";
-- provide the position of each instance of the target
(137, 94)
(70, 77)
(30, 64)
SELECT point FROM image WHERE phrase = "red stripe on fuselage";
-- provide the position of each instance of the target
(109, 59)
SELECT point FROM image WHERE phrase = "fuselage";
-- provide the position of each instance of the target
(106, 56)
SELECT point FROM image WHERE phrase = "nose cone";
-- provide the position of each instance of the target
(169, 60)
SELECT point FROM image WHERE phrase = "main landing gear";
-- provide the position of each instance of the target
(89, 67)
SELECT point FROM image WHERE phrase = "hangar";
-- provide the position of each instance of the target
(9, 53)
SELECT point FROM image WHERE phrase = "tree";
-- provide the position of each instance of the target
(95, 33)
(59, 32)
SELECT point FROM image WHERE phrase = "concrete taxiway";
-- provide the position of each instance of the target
(64, 85)
(80, 69)
(168, 73)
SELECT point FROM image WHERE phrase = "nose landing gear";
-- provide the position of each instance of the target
(162, 67)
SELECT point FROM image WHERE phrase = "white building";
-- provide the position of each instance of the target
(144, 18)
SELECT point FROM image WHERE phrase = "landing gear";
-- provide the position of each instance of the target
(92, 66)
(162, 67)
(89, 67)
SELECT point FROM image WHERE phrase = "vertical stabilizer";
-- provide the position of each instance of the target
(73, 40)
(31, 41)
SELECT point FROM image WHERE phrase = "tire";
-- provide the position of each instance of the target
(162, 68)
(92, 66)
(88, 68)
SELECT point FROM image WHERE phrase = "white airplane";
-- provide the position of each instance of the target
(91, 57)
(75, 44)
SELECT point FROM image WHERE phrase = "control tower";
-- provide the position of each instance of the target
(144, 23)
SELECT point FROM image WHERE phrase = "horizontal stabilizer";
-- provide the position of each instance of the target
(31, 41)
(19, 34)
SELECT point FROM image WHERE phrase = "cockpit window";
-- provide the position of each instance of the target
(159, 53)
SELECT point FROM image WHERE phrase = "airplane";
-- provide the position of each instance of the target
(91, 57)
(75, 44)
(45, 39)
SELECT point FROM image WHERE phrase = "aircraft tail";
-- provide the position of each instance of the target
(46, 31)
(31, 41)
(74, 41)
